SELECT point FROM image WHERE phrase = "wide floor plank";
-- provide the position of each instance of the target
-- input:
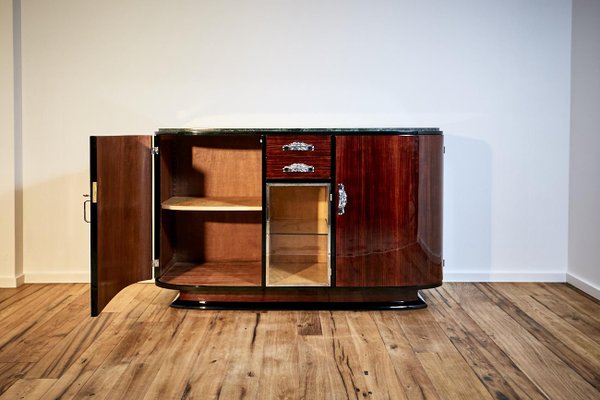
(409, 370)
(215, 357)
(280, 373)
(452, 376)
(376, 365)
(243, 375)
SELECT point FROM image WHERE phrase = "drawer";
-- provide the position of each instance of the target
(298, 157)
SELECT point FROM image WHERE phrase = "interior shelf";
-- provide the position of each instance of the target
(298, 274)
(213, 204)
(232, 273)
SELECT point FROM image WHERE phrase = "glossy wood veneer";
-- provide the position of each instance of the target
(122, 216)
(390, 233)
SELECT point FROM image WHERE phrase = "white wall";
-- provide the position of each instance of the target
(494, 75)
(8, 273)
(584, 199)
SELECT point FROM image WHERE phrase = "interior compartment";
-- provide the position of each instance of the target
(211, 210)
(298, 209)
(298, 235)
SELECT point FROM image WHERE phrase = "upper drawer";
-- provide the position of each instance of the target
(287, 156)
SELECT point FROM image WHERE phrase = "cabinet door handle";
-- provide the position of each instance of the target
(298, 146)
(298, 167)
(85, 203)
(342, 199)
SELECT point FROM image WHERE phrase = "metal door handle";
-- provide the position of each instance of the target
(298, 146)
(342, 199)
(85, 202)
(298, 167)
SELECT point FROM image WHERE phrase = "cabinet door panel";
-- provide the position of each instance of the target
(121, 226)
(390, 233)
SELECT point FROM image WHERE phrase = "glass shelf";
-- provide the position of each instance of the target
(319, 226)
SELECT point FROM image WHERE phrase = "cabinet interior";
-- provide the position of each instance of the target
(211, 211)
(298, 248)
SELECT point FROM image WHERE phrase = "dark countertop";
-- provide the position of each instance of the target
(309, 131)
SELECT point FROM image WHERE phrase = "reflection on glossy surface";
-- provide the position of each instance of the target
(390, 233)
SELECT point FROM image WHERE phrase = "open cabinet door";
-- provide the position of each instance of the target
(121, 214)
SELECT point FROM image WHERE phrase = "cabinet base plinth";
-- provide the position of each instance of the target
(309, 299)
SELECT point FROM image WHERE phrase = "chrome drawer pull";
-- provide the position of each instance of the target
(298, 146)
(342, 199)
(298, 167)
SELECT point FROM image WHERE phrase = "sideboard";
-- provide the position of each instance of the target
(269, 218)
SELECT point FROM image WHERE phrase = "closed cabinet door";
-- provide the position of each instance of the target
(389, 211)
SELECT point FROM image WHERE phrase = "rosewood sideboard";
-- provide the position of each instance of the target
(269, 218)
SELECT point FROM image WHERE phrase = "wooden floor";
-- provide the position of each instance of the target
(475, 341)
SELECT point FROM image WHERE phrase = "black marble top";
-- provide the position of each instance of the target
(310, 131)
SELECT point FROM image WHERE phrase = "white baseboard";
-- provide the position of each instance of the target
(584, 285)
(57, 277)
(84, 277)
(12, 281)
(48, 277)
(504, 277)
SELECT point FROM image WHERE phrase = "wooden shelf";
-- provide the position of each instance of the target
(213, 204)
(234, 273)
(298, 274)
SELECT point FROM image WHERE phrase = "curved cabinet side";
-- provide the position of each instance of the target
(430, 209)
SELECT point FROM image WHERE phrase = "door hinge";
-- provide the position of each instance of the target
(444, 149)
(443, 263)
(156, 266)
(155, 150)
